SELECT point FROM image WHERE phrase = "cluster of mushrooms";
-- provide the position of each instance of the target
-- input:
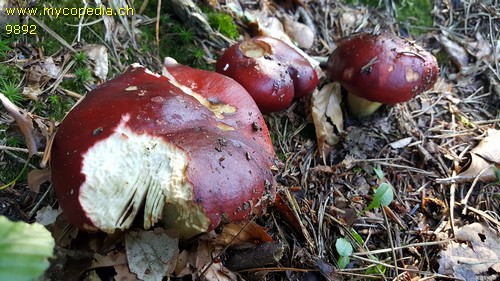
(189, 149)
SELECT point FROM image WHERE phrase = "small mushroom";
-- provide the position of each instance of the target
(380, 69)
(270, 70)
(173, 148)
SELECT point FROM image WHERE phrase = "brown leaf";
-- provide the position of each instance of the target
(24, 122)
(482, 162)
(207, 267)
(477, 251)
(488, 148)
(238, 233)
(327, 113)
(37, 178)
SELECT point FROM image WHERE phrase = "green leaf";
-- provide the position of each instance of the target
(376, 270)
(343, 261)
(24, 250)
(357, 237)
(379, 173)
(383, 197)
(343, 247)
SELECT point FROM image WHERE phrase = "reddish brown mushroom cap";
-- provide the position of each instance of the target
(187, 150)
(382, 67)
(270, 70)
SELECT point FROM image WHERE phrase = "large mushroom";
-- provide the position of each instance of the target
(270, 70)
(185, 150)
(380, 68)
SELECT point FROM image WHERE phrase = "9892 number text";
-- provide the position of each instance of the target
(20, 29)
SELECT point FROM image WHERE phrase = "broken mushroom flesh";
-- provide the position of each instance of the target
(270, 70)
(186, 150)
(380, 69)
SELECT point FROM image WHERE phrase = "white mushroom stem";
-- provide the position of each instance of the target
(360, 107)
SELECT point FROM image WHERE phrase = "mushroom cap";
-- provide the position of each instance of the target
(272, 72)
(186, 150)
(382, 68)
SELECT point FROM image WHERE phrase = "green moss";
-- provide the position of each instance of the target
(9, 73)
(53, 107)
(4, 46)
(12, 91)
(417, 13)
(224, 24)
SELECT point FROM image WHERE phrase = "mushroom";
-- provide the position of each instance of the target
(380, 69)
(187, 150)
(272, 72)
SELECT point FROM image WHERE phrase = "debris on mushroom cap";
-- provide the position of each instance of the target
(382, 67)
(270, 70)
(174, 148)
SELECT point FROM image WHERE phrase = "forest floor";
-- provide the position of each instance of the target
(435, 151)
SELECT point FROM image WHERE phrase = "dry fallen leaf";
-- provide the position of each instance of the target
(207, 267)
(482, 162)
(98, 54)
(327, 113)
(299, 33)
(271, 26)
(32, 91)
(112, 258)
(151, 255)
(36, 178)
(237, 233)
(458, 54)
(24, 121)
(47, 216)
(42, 71)
(401, 143)
(477, 251)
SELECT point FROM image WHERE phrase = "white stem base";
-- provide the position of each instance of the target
(360, 107)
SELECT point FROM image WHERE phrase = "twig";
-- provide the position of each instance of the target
(414, 245)
(158, 12)
(18, 149)
(391, 242)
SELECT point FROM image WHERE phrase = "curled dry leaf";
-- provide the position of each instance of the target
(488, 148)
(327, 113)
(271, 26)
(482, 162)
(24, 121)
(299, 33)
(236, 233)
